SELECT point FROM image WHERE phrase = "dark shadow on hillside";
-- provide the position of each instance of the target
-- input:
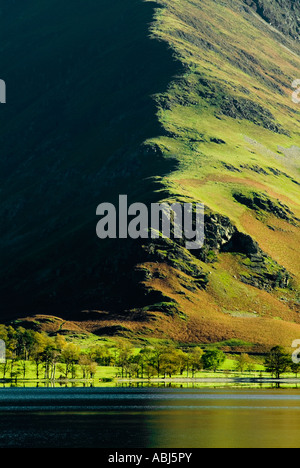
(80, 75)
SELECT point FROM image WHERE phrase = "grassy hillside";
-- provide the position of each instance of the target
(233, 127)
(220, 128)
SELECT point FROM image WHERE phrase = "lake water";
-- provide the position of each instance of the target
(149, 418)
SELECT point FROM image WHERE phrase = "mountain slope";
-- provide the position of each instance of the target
(283, 14)
(235, 132)
(224, 132)
(79, 78)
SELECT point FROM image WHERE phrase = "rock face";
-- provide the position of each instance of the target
(222, 236)
(283, 14)
(218, 232)
(176, 256)
(259, 270)
(260, 202)
(263, 272)
(243, 108)
(242, 243)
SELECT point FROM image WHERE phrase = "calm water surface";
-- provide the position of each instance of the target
(149, 418)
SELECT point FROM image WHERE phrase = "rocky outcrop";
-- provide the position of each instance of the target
(234, 105)
(222, 236)
(261, 202)
(283, 14)
(175, 255)
(264, 273)
(257, 268)
(261, 271)
(243, 108)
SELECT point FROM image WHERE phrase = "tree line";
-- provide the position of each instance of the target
(50, 355)
(166, 361)
(55, 357)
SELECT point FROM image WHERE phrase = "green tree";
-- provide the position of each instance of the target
(8, 364)
(158, 357)
(92, 369)
(213, 359)
(146, 362)
(124, 354)
(295, 368)
(196, 360)
(277, 361)
(50, 357)
(25, 340)
(170, 362)
(183, 361)
(102, 355)
(40, 342)
(70, 356)
(16, 371)
(84, 362)
(4, 334)
(87, 365)
(243, 361)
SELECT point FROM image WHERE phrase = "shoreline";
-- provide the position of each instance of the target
(214, 380)
(175, 380)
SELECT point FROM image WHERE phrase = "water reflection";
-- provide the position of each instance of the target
(183, 385)
(149, 418)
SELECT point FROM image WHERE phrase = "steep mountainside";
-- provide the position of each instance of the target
(283, 14)
(80, 78)
(102, 110)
